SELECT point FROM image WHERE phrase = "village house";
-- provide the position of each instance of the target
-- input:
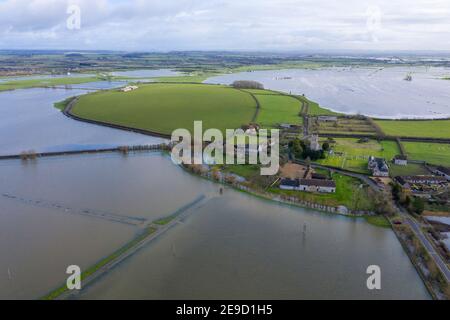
(378, 167)
(309, 185)
(401, 160)
(443, 172)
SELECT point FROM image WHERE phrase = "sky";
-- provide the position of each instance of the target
(247, 25)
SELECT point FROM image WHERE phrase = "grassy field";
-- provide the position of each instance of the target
(433, 153)
(411, 169)
(245, 171)
(422, 129)
(351, 155)
(165, 107)
(379, 221)
(315, 110)
(261, 91)
(345, 126)
(49, 82)
(348, 193)
(277, 109)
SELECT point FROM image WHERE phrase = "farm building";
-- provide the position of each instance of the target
(327, 118)
(401, 160)
(129, 88)
(378, 167)
(309, 185)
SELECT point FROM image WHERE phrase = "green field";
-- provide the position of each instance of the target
(412, 169)
(165, 107)
(316, 110)
(48, 82)
(277, 109)
(355, 155)
(261, 91)
(433, 153)
(347, 126)
(421, 129)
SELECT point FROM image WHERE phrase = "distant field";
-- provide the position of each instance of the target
(276, 109)
(351, 155)
(433, 153)
(422, 129)
(197, 78)
(165, 107)
(33, 83)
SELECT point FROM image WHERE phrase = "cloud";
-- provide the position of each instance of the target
(226, 24)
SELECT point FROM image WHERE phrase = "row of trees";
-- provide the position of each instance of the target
(412, 204)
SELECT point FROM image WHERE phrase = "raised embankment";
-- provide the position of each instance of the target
(68, 112)
(122, 149)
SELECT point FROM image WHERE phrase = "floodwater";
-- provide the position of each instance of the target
(234, 246)
(54, 213)
(147, 73)
(41, 230)
(237, 246)
(377, 92)
(28, 121)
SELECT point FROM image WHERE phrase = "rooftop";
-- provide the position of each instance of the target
(445, 170)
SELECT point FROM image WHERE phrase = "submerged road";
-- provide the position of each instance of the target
(159, 229)
(93, 213)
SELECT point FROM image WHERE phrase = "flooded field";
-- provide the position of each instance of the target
(377, 92)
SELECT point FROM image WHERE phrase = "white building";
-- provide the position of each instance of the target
(327, 118)
(309, 185)
(401, 160)
(129, 88)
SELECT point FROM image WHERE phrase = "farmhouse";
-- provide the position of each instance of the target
(443, 172)
(129, 88)
(309, 185)
(401, 160)
(378, 167)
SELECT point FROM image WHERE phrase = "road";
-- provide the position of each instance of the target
(415, 226)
